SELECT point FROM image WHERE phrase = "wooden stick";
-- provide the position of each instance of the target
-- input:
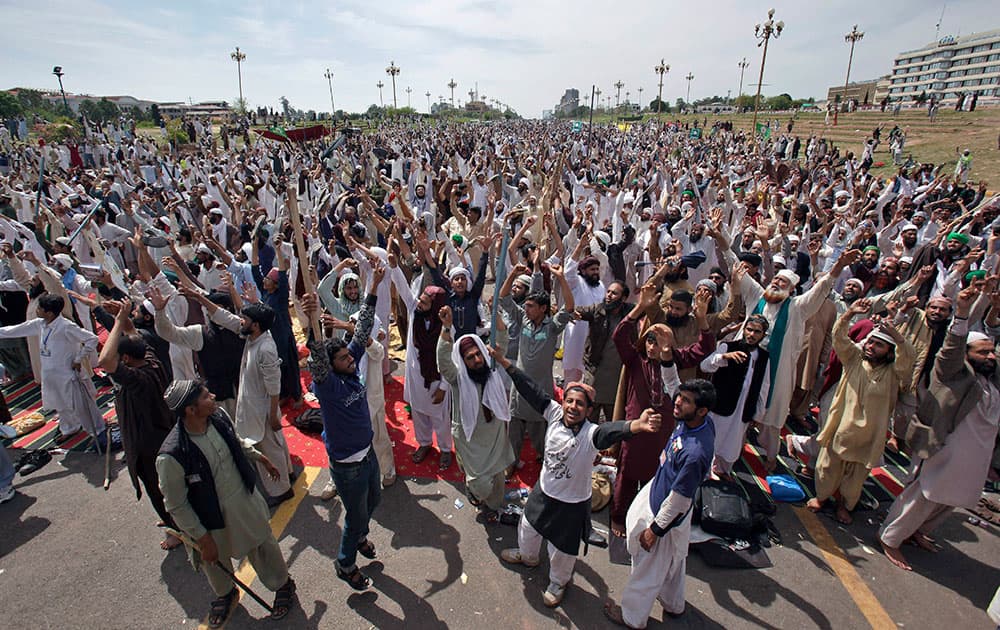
(300, 246)
(107, 459)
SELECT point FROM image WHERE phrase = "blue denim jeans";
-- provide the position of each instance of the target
(359, 485)
(6, 469)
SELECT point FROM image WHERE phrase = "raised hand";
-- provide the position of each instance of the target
(650, 421)
(445, 315)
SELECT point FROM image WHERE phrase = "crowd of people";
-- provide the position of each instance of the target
(643, 293)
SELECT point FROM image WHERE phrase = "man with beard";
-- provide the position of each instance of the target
(423, 388)
(222, 231)
(887, 277)
(742, 380)
(274, 292)
(955, 248)
(851, 442)
(584, 281)
(787, 315)
(480, 414)
(347, 299)
(217, 342)
(523, 285)
(208, 275)
(906, 241)
(464, 294)
(601, 359)
(953, 436)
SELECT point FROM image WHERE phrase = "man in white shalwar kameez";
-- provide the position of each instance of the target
(584, 281)
(63, 348)
(787, 314)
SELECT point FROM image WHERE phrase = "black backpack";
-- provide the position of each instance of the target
(309, 421)
(722, 509)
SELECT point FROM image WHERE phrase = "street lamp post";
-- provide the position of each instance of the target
(618, 95)
(640, 99)
(851, 38)
(59, 75)
(408, 90)
(452, 85)
(598, 91)
(661, 70)
(239, 57)
(428, 95)
(743, 66)
(764, 32)
(329, 80)
(689, 77)
(393, 71)
(380, 85)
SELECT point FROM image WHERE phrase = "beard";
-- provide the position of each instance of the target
(694, 238)
(245, 331)
(675, 321)
(613, 305)
(776, 296)
(849, 298)
(985, 368)
(479, 376)
(592, 281)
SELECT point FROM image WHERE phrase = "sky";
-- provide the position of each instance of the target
(524, 53)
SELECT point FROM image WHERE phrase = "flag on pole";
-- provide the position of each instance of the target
(279, 131)
(763, 129)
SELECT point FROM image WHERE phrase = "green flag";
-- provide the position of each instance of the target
(275, 129)
(763, 129)
(694, 133)
(577, 126)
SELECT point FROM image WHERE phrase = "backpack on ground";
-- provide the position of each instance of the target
(721, 508)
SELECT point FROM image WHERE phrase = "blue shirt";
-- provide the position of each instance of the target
(684, 462)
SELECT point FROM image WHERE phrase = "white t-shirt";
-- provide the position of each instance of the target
(569, 458)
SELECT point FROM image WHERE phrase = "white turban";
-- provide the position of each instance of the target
(975, 335)
(788, 274)
(459, 271)
(494, 394)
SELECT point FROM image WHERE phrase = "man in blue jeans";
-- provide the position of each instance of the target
(347, 431)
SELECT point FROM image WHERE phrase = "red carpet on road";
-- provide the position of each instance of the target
(308, 450)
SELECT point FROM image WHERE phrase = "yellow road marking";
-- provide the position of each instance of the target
(279, 521)
(845, 571)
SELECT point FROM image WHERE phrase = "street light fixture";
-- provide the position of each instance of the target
(408, 90)
(851, 38)
(598, 97)
(661, 70)
(640, 99)
(689, 77)
(618, 95)
(743, 66)
(329, 80)
(380, 85)
(452, 85)
(393, 71)
(239, 57)
(428, 95)
(764, 32)
(58, 71)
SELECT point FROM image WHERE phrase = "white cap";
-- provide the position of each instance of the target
(63, 261)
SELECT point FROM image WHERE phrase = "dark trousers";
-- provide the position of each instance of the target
(359, 485)
(145, 470)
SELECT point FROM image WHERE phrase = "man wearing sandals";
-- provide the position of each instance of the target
(207, 481)
(558, 508)
(347, 431)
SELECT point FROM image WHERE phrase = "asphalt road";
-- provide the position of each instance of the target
(75, 556)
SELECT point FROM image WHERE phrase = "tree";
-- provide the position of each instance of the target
(154, 114)
(743, 101)
(782, 101)
(10, 106)
(99, 111)
(680, 104)
(658, 104)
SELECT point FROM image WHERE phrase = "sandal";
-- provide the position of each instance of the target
(356, 579)
(420, 454)
(614, 613)
(221, 608)
(367, 549)
(283, 599)
(445, 462)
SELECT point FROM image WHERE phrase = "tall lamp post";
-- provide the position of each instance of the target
(452, 85)
(640, 99)
(598, 91)
(764, 32)
(851, 38)
(428, 95)
(239, 57)
(59, 75)
(380, 85)
(689, 77)
(618, 95)
(743, 66)
(661, 70)
(329, 80)
(393, 71)
(408, 90)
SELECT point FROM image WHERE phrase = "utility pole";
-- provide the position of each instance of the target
(393, 71)
(239, 57)
(329, 80)
(618, 95)
(661, 70)
(743, 66)
(640, 99)
(598, 91)
(764, 32)
(428, 95)
(452, 85)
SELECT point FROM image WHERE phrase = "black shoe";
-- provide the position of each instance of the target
(33, 461)
(597, 539)
(278, 500)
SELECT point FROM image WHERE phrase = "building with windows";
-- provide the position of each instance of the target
(862, 92)
(945, 69)
(569, 101)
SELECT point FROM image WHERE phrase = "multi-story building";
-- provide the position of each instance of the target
(945, 69)
(569, 101)
(861, 91)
